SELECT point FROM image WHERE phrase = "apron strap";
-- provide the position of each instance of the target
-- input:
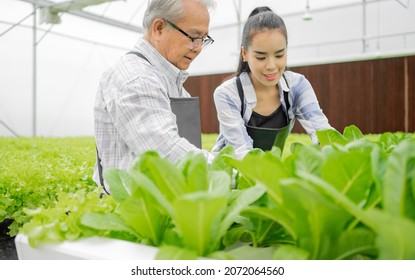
(286, 96)
(241, 96)
(101, 178)
(139, 55)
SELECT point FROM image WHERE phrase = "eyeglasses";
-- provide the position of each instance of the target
(196, 42)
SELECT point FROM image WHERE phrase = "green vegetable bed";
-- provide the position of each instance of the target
(352, 197)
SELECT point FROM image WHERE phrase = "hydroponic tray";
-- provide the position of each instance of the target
(93, 248)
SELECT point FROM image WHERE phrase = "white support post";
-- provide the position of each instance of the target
(34, 101)
(364, 27)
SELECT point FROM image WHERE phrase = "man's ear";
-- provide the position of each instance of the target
(157, 27)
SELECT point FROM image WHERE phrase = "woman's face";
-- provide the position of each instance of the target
(267, 57)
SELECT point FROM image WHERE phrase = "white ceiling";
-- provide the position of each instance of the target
(131, 11)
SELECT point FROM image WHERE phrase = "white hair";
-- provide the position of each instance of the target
(170, 9)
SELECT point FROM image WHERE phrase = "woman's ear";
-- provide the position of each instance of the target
(244, 54)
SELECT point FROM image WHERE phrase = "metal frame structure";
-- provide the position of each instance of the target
(51, 9)
(73, 7)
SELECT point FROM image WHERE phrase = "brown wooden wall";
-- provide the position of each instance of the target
(204, 86)
(410, 62)
(375, 95)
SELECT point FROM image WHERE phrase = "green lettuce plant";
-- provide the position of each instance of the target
(184, 205)
(372, 177)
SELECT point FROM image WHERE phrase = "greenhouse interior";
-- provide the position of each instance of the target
(346, 194)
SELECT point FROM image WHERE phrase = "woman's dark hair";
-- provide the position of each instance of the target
(258, 10)
(260, 18)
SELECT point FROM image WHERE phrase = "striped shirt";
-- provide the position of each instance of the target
(132, 110)
(304, 108)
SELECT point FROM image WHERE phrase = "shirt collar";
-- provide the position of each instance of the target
(173, 73)
(249, 90)
(248, 87)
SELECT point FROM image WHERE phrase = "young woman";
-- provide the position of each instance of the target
(258, 106)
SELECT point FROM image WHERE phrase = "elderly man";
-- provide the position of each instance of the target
(133, 110)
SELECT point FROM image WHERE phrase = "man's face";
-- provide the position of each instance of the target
(177, 47)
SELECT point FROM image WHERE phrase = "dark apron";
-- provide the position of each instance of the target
(266, 138)
(187, 111)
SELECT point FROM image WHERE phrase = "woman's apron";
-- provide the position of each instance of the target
(187, 111)
(266, 138)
